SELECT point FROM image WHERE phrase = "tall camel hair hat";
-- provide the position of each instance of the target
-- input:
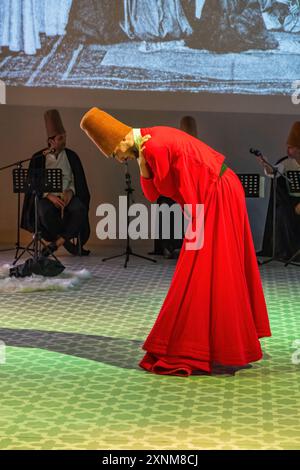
(53, 123)
(104, 130)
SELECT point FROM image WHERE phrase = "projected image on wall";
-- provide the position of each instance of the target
(219, 46)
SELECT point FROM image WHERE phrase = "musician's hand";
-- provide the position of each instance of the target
(297, 208)
(56, 201)
(67, 196)
(267, 167)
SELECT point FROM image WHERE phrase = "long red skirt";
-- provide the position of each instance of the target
(215, 311)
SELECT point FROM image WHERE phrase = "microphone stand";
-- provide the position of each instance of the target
(17, 247)
(275, 173)
(129, 190)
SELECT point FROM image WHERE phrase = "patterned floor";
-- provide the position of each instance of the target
(71, 378)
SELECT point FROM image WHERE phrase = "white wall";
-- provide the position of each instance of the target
(22, 133)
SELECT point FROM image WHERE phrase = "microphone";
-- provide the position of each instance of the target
(255, 152)
(49, 150)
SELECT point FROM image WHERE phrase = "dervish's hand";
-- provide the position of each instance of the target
(141, 158)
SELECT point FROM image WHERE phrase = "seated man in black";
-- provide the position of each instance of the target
(61, 217)
(288, 206)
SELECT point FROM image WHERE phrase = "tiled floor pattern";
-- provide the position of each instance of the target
(71, 376)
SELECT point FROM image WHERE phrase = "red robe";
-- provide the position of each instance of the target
(215, 311)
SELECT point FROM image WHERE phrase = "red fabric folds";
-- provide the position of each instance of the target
(215, 310)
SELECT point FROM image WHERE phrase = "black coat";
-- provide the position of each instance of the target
(288, 222)
(230, 26)
(81, 190)
(96, 21)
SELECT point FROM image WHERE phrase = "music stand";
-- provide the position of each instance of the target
(294, 190)
(36, 182)
(17, 247)
(253, 184)
(129, 190)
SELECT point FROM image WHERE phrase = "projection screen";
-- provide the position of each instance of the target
(192, 53)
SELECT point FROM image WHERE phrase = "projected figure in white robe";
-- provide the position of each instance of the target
(22, 21)
(155, 20)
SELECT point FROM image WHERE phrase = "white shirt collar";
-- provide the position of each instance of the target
(137, 137)
(59, 156)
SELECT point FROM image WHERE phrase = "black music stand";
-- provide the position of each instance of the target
(253, 184)
(294, 190)
(129, 190)
(37, 182)
(17, 247)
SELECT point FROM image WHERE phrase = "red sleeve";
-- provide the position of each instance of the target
(158, 159)
(149, 188)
